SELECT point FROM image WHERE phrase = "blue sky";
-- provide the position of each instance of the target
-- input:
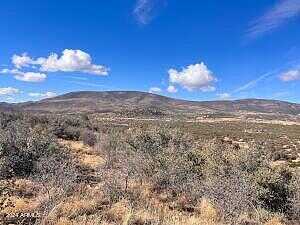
(197, 50)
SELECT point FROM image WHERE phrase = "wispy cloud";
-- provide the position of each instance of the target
(145, 10)
(154, 90)
(281, 94)
(278, 15)
(291, 75)
(89, 84)
(47, 94)
(25, 76)
(249, 85)
(253, 83)
(8, 91)
(224, 96)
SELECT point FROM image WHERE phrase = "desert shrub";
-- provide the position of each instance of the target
(274, 191)
(113, 148)
(114, 186)
(164, 157)
(227, 177)
(294, 187)
(20, 147)
(68, 127)
(6, 118)
(88, 137)
(59, 175)
(66, 132)
(240, 180)
(237, 180)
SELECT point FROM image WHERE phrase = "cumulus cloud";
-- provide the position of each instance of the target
(172, 89)
(291, 75)
(23, 60)
(145, 10)
(48, 94)
(69, 61)
(193, 77)
(9, 91)
(224, 96)
(274, 17)
(155, 90)
(25, 76)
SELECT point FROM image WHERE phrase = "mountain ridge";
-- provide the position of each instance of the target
(117, 101)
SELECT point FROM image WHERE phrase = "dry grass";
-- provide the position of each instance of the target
(91, 161)
(207, 211)
(76, 146)
(20, 205)
(24, 184)
(76, 206)
(64, 221)
(86, 155)
(275, 221)
(119, 212)
(75, 210)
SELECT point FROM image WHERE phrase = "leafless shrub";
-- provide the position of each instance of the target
(88, 137)
(114, 186)
(58, 174)
(112, 147)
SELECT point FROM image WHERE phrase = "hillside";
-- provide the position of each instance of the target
(120, 101)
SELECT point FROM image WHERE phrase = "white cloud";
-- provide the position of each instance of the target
(193, 77)
(25, 76)
(155, 90)
(8, 71)
(31, 77)
(172, 89)
(9, 91)
(23, 60)
(274, 17)
(48, 94)
(224, 96)
(69, 61)
(291, 75)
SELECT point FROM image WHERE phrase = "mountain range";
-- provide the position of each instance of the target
(124, 101)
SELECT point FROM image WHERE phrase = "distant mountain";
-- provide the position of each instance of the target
(5, 107)
(126, 101)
